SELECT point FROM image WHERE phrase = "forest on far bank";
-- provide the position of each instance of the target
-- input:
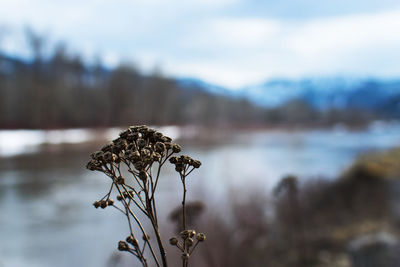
(60, 90)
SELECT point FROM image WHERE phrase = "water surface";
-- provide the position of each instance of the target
(45, 196)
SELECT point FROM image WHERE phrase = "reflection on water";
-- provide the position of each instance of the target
(45, 198)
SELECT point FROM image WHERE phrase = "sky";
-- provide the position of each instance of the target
(232, 43)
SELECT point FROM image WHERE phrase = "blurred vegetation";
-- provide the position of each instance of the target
(57, 89)
(350, 221)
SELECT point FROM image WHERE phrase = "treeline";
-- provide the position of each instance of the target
(59, 90)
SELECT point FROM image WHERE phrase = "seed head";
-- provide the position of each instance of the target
(125, 133)
(141, 143)
(123, 246)
(179, 167)
(176, 148)
(156, 156)
(110, 202)
(173, 241)
(98, 155)
(173, 160)
(166, 139)
(93, 165)
(184, 234)
(201, 237)
(168, 145)
(192, 233)
(132, 240)
(189, 242)
(109, 157)
(160, 147)
(107, 147)
(132, 136)
(196, 163)
(128, 194)
(96, 204)
(103, 204)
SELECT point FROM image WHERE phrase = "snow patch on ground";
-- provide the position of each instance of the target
(17, 142)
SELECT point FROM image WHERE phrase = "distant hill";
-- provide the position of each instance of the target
(370, 94)
(326, 93)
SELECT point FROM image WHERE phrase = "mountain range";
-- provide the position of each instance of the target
(373, 94)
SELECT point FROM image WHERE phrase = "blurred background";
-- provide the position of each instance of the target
(293, 107)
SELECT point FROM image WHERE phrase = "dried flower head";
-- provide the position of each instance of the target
(173, 241)
(201, 237)
(133, 161)
(123, 246)
(132, 240)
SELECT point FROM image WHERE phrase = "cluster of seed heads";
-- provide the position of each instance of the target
(139, 145)
(187, 242)
(137, 150)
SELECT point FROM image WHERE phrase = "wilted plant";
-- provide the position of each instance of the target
(134, 161)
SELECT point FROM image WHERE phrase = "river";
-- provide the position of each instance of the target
(46, 217)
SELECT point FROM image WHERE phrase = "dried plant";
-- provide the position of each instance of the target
(134, 161)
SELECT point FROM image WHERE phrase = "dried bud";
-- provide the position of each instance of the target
(107, 147)
(143, 128)
(185, 256)
(173, 241)
(134, 129)
(123, 246)
(176, 148)
(168, 145)
(132, 137)
(158, 134)
(173, 160)
(132, 240)
(119, 197)
(179, 167)
(141, 143)
(156, 156)
(128, 194)
(189, 242)
(110, 202)
(192, 233)
(98, 155)
(92, 165)
(184, 234)
(110, 157)
(125, 133)
(96, 204)
(145, 152)
(160, 147)
(196, 163)
(201, 237)
(103, 204)
(166, 139)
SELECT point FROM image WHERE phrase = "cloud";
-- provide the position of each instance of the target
(361, 44)
(204, 39)
(231, 33)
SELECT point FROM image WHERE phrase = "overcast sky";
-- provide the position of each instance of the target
(227, 42)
